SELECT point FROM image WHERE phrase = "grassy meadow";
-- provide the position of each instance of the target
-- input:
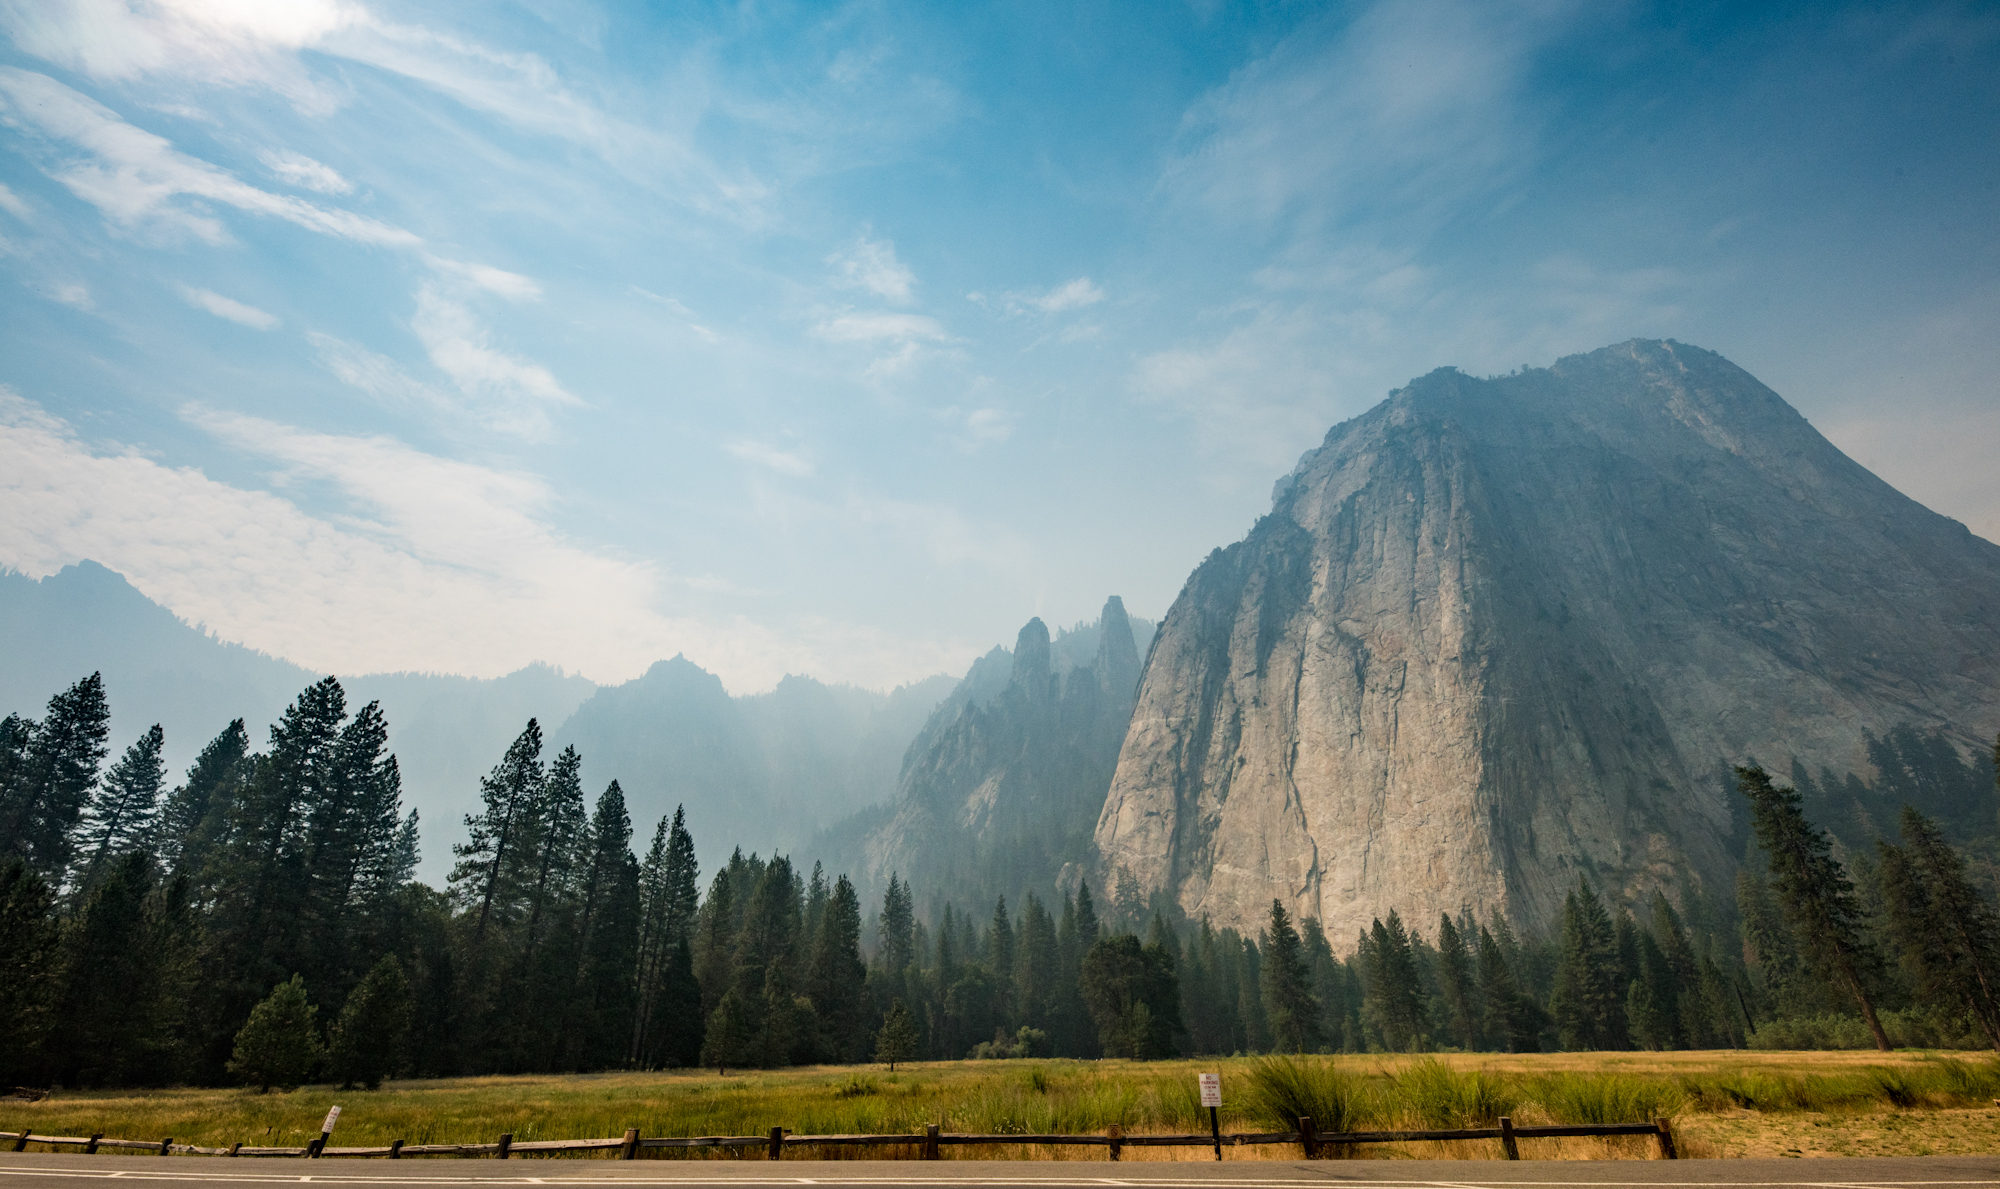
(1723, 1104)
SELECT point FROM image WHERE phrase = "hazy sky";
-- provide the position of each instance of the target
(840, 339)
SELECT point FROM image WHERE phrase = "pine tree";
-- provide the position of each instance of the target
(607, 939)
(1133, 993)
(669, 901)
(53, 773)
(279, 1044)
(121, 814)
(196, 811)
(1037, 966)
(1591, 985)
(1000, 960)
(1652, 1005)
(1395, 989)
(1511, 1017)
(28, 972)
(897, 1041)
(836, 979)
(1289, 1005)
(897, 929)
(1948, 935)
(1814, 892)
(1457, 988)
(372, 1033)
(509, 795)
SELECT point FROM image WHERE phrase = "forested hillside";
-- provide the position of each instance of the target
(259, 921)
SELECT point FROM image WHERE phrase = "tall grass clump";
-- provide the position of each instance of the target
(1603, 1097)
(1441, 1097)
(1284, 1089)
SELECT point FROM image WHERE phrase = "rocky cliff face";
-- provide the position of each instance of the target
(1498, 632)
(1004, 784)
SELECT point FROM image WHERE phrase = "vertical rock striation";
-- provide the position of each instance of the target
(1498, 632)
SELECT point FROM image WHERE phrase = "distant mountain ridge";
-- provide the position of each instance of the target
(1496, 634)
(767, 769)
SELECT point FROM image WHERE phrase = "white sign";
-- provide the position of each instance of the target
(1211, 1088)
(332, 1117)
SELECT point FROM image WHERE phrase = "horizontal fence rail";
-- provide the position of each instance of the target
(931, 1141)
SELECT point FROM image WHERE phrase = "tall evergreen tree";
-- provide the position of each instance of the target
(127, 968)
(1511, 1019)
(1394, 986)
(53, 771)
(122, 811)
(194, 816)
(1948, 935)
(509, 797)
(669, 894)
(1037, 966)
(836, 978)
(1457, 988)
(28, 972)
(1289, 1004)
(1133, 994)
(1591, 985)
(897, 929)
(606, 953)
(1814, 892)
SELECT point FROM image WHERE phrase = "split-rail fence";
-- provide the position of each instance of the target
(929, 1143)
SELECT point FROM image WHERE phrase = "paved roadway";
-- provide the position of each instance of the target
(34, 1170)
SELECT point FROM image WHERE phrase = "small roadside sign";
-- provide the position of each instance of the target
(1211, 1089)
(332, 1117)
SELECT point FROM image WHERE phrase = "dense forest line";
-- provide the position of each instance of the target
(260, 922)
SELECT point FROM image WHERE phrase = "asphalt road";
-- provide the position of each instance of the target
(33, 1170)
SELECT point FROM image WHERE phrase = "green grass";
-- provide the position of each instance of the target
(1044, 1096)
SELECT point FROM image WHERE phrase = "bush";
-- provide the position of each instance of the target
(1604, 1097)
(279, 1044)
(1442, 1097)
(1284, 1089)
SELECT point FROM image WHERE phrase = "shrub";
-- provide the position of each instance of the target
(1443, 1097)
(1604, 1097)
(1284, 1089)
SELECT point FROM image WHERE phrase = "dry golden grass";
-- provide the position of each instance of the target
(1723, 1104)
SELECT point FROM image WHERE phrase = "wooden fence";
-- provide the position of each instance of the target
(930, 1142)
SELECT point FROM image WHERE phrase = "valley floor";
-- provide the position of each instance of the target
(1723, 1104)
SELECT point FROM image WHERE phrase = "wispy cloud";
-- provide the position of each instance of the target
(378, 375)
(302, 171)
(880, 327)
(223, 307)
(511, 285)
(1071, 296)
(785, 462)
(871, 264)
(431, 564)
(511, 393)
(135, 178)
(13, 204)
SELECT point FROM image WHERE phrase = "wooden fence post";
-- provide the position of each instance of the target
(21, 1140)
(506, 1145)
(236, 1148)
(1507, 1145)
(395, 1149)
(777, 1150)
(1666, 1137)
(165, 1144)
(1308, 1137)
(1117, 1135)
(631, 1149)
(931, 1142)
(90, 1149)
(314, 1148)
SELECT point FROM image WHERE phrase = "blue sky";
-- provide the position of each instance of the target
(841, 338)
